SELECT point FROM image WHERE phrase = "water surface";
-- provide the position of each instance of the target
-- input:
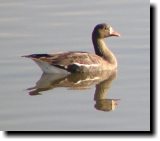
(44, 26)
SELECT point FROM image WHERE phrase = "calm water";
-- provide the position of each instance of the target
(44, 26)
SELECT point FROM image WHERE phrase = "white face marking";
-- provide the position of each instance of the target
(111, 30)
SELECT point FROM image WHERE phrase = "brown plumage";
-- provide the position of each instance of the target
(81, 61)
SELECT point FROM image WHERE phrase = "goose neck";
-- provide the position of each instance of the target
(103, 51)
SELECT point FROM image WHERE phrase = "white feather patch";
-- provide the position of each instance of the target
(87, 65)
(47, 68)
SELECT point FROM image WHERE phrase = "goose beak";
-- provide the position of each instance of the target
(114, 33)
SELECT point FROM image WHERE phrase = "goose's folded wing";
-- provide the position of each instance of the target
(70, 61)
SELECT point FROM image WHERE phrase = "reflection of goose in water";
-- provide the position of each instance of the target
(78, 81)
(78, 61)
(100, 96)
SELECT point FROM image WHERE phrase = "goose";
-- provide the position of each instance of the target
(79, 61)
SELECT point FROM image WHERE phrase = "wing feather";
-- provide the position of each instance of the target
(70, 61)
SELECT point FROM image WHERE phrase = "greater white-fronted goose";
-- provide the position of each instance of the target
(81, 62)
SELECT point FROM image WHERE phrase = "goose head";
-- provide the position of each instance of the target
(103, 31)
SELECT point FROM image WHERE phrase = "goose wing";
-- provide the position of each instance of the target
(70, 61)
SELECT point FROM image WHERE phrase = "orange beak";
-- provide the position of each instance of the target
(115, 34)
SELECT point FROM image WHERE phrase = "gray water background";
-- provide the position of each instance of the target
(45, 26)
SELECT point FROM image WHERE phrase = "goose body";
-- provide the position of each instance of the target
(78, 61)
